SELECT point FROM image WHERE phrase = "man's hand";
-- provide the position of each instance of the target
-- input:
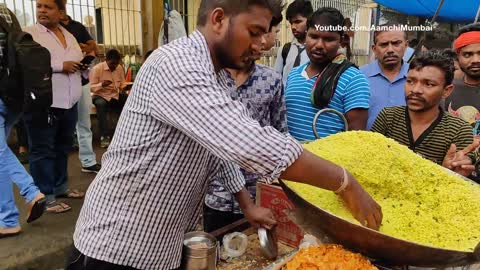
(106, 83)
(459, 162)
(257, 216)
(71, 66)
(361, 204)
(260, 217)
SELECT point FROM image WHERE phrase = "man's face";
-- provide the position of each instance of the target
(425, 88)
(390, 48)
(469, 60)
(239, 39)
(113, 64)
(271, 38)
(322, 46)
(48, 13)
(298, 24)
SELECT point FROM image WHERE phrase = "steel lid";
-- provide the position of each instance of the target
(268, 242)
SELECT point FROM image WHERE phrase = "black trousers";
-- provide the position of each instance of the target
(78, 261)
(214, 219)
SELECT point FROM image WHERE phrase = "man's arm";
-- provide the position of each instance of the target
(357, 102)
(89, 47)
(191, 99)
(233, 180)
(95, 82)
(313, 170)
(357, 119)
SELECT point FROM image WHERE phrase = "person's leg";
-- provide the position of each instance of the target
(102, 107)
(12, 170)
(41, 138)
(67, 122)
(84, 133)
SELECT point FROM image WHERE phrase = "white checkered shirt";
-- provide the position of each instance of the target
(177, 126)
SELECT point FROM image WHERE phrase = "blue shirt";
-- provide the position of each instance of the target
(384, 93)
(352, 92)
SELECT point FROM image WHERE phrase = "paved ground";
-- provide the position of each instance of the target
(42, 244)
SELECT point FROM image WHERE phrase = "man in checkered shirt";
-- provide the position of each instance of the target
(178, 128)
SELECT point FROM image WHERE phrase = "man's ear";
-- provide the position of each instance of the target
(218, 20)
(447, 91)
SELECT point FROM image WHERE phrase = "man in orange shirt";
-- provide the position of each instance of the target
(107, 81)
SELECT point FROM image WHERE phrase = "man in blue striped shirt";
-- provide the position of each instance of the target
(352, 93)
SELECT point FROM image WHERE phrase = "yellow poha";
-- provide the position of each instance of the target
(421, 202)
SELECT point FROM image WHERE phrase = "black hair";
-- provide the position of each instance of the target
(147, 54)
(385, 26)
(235, 7)
(437, 59)
(113, 54)
(327, 16)
(61, 4)
(299, 7)
(276, 20)
(451, 53)
(469, 28)
(413, 43)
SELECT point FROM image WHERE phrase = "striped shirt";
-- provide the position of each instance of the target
(175, 130)
(352, 92)
(434, 142)
(262, 94)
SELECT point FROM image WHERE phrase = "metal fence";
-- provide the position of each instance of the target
(113, 23)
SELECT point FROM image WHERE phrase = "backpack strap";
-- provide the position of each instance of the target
(285, 51)
(326, 83)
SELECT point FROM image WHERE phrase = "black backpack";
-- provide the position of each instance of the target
(26, 76)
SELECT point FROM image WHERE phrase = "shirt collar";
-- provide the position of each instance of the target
(105, 66)
(44, 29)
(375, 70)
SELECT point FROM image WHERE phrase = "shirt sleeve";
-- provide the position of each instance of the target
(463, 138)
(279, 61)
(230, 176)
(381, 123)
(95, 83)
(278, 109)
(187, 96)
(83, 35)
(357, 93)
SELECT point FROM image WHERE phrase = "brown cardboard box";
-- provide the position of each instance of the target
(273, 197)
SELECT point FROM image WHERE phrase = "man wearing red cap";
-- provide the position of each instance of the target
(465, 99)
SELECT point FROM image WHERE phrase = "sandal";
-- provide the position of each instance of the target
(57, 207)
(36, 207)
(7, 232)
(72, 194)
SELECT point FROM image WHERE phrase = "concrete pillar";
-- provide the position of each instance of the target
(152, 18)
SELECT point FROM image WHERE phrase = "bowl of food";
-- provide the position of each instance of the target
(431, 216)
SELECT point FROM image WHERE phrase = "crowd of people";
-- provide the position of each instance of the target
(204, 123)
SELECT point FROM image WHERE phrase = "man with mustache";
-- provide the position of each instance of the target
(465, 100)
(350, 94)
(388, 72)
(422, 125)
(293, 54)
(260, 89)
(50, 143)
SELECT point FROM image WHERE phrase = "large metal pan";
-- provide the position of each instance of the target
(371, 243)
